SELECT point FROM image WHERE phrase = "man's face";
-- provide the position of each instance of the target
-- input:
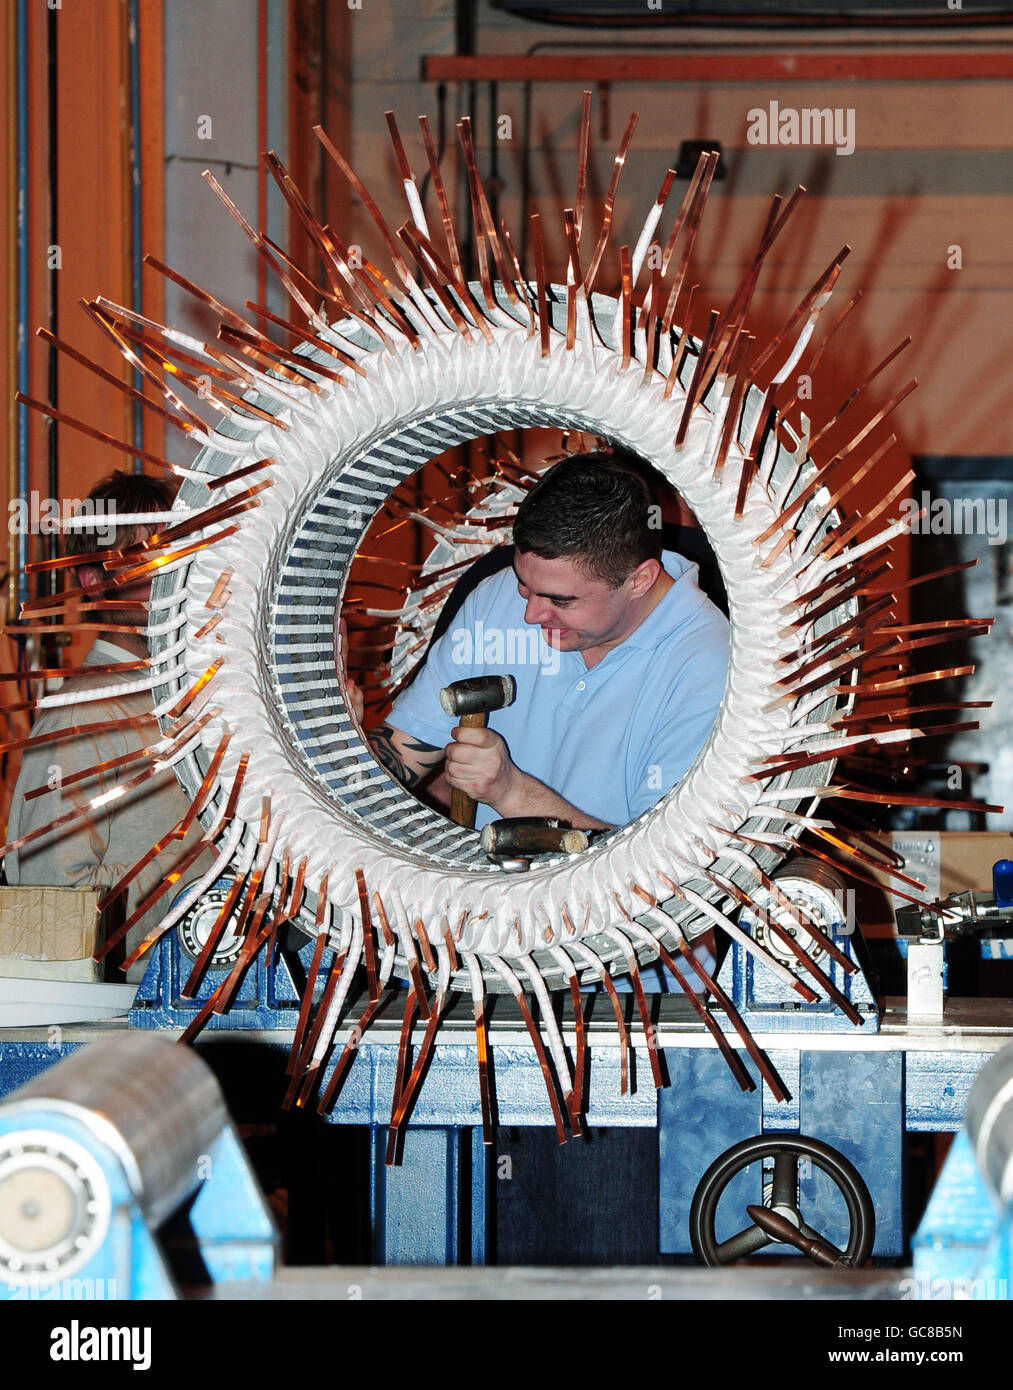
(138, 592)
(574, 612)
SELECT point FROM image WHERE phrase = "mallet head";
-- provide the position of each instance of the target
(478, 694)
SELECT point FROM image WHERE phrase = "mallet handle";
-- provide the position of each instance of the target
(463, 806)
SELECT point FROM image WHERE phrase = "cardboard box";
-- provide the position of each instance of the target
(49, 933)
(946, 861)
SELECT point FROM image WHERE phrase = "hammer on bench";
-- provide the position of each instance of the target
(471, 701)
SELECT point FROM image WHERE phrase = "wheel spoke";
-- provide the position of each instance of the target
(815, 1235)
(746, 1242)
(785, 1193)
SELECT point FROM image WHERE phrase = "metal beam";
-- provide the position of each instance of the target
(807, 66)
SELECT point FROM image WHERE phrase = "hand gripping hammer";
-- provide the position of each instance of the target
(471, 700)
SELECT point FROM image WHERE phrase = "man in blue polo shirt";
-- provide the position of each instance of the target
(619, 659)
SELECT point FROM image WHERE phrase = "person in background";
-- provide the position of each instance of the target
(95, 851)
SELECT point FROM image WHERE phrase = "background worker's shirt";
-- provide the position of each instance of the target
(98, 849)
(612, 739)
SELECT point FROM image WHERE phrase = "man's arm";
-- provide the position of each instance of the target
(407, 759)
(479, 762)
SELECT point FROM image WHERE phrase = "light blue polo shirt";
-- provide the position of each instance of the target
(611, 740)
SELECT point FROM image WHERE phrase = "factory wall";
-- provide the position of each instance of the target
(923, 199)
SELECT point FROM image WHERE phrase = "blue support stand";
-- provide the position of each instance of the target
(964, 1245)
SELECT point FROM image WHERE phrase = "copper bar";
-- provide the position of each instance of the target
(810, 925)
(147, 751)
(169, 881)
(415, 974)
(790, 509)
(179, 830)
(923, 578)
(745, 1081)
(698, 374)
(399, 1116)
(696, 198)
(763, 1064)
(385, 927)
(419, 932)
(440, 190)
(404, 1042)
(823, 286)
(797, 951)
(580, 1057)
(103, 726)
(796, 683)
(519, 275)
(543, 1062)
(850, 587)
(455, 315)
(306, 1001)
(222, 310)
(346, 1057)
(20, 629)
(654, 294)
(113, 380)
(278, 896)
(191, 421)
(63, 418)
(610, 199)
(55, 672)
(335, 295)
(360, 188)
(79, 812)
(305, 336)
(481, 249)
(369, 941)
(484, 1079)
(822, 347)
(254, 941)
(482, 216)
(583, 149)
(645, 1019)
(866, 381)
(270, 361)
(820, 976)
(820, 641)
(448, 941)
(905, 712)
(679, 357)
(195, 1025)
(304, 1075)
(627, 305)
(903, 799)
(836, 541)
(739, 382)
(902, 682)
(543, 308)
(624, 1036)
(421, 243)
(217, 597)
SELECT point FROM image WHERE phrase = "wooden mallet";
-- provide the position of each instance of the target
(471, 701)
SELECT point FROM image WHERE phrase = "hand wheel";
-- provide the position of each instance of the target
(780, 1218)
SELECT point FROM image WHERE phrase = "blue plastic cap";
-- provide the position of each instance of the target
(1002, 882)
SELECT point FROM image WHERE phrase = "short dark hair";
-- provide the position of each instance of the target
(595, 509)
(129, 493)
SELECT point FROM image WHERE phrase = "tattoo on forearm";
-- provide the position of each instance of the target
(381, 740)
